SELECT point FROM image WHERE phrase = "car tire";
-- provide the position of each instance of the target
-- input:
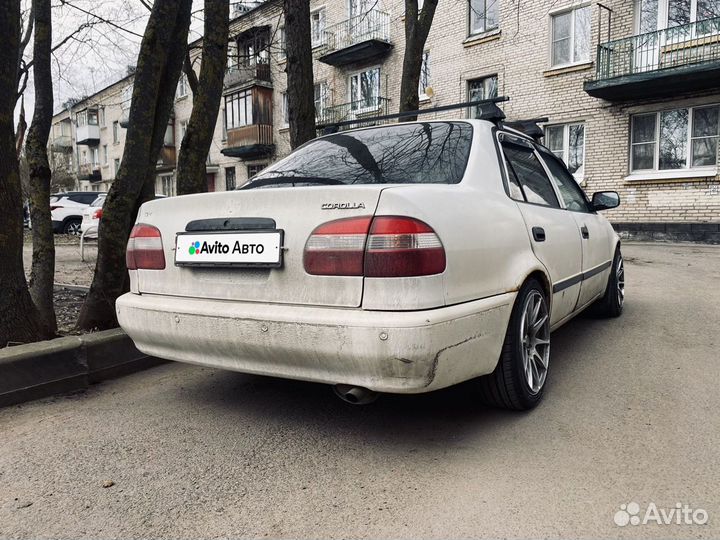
(612, 302)
(72, 226)
(519, 379)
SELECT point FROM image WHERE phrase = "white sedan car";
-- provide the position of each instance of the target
(91, 217)
(402, 259)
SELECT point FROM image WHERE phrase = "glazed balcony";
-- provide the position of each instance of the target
(88, 134)
(658, 64)
(361, 38)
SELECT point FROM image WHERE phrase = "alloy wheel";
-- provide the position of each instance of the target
(620, 279)
(535, 336)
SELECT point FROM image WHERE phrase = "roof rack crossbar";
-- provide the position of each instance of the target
(488, 111)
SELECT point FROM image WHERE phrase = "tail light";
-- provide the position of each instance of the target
(145, 249)
(97, 214)
(384, 246)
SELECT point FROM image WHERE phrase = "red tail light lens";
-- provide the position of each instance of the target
(403, 247)
(385, 246)
(145, 249)
(97, 214)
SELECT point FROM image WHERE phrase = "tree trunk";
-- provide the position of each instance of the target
(192, 175)
(42, 276)
(19, 321)
(162, 53)
(417, 28)
(299, 68)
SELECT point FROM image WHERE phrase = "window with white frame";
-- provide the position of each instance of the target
(675, 139)
(571, 36)
(479, 89)
(655, 15)
(116, 165)
(483, 15)
(182, 87)
(285, 113)
(183, 129)
(105, 154)
(424, 76)
(365, 89)
(317, 27)
(322, 99)
(567, 141)
(282, 53)
(238, 109)
(116, 132)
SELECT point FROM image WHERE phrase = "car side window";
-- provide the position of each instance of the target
(523, 164)
(571, 194)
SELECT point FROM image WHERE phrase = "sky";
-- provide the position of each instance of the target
(98, 53)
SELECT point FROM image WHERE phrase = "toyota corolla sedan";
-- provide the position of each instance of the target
(400, 259)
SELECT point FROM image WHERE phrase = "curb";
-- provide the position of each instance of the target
(67, 364)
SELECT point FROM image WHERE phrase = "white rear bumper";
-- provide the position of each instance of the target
(398, 352)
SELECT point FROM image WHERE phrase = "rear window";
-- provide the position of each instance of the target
(424, 153)
(98, 202)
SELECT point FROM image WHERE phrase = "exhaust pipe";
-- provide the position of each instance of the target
(355, 395)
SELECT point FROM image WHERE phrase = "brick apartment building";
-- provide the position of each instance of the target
(627, 87)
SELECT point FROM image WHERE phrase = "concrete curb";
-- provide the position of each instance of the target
(67, 364)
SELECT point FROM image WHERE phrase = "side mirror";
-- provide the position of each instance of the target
(604, 200)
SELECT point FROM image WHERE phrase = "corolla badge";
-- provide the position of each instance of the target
(343, 206)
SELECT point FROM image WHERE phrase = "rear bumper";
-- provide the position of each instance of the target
(397, 352)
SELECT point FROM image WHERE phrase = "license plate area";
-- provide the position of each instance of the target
(237, 249)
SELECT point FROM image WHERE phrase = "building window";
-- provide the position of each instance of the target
(101, 116)
(238, 109)
(479, 89)
(483, 15)
(95, 156)
(317, 27)
(322, 100)
(285, 110)
(365, 89)
(254, 169)
(655, 15)
(167, 185)
(675, 139)
(230, 178)
(282, 54)
(424, 76)
(169, 138)
(116, 132)
(182, 87)
(571, 36)
(117, 166)
(183, 129)
(567, 141)
(105, 154)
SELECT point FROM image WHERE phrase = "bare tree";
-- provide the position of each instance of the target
(300, 93)
(42, 275)
(160, 61)
(191, 175)
(417, 28)
(19, 320)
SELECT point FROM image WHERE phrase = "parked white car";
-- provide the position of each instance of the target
(66, 210)
(403, 259)
(91, 217)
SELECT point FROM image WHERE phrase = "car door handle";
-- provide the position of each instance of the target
(538, 234)
(585, 232)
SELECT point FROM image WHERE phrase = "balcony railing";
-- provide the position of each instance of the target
(370, 26)
(363, 111)
(675, 47)
(90, 171)
(249, 141)
(88, 134)
(237, 75)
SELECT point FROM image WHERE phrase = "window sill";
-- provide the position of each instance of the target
(677, 175)
(567, 68)
(424, 99)
(477, 39)
(284, 129)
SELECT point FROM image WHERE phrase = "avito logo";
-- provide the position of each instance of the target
(197, 248)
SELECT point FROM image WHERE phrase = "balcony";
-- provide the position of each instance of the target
(90, 171)
(248, 75)
(62, 144)
(658, 64)
(88, 135)
(167, 158)
(361, 38)
(255, 140)
(363, 112)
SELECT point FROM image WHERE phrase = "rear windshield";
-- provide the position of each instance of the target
(423, 153)
(98, 202)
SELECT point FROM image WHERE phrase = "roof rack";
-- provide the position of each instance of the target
(529, 127)
(488, 110)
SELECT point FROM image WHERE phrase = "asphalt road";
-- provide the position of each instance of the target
(630, 415)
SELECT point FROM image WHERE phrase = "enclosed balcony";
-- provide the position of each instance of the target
(360, 38)
(167, 158)
(88, 135)
(255, 140)
(90, 171)
(362, 112)
(658, 64)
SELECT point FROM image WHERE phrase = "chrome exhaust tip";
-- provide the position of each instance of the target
(355, 395)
